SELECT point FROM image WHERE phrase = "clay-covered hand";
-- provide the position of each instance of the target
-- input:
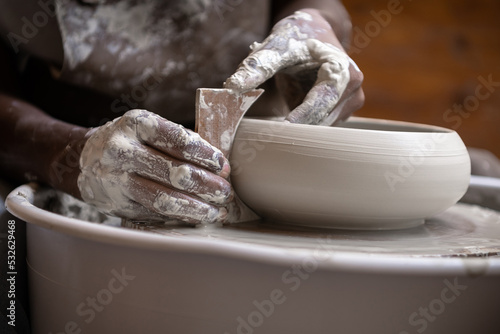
(317, 78)
(141, 166)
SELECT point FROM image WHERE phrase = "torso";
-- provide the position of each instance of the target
(149, 54)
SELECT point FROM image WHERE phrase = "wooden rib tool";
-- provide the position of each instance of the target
(218, 114)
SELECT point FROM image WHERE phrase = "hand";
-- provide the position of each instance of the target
(316, 76)
(141, 166)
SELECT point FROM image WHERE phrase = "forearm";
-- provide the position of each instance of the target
(37, 147)
(332, 10)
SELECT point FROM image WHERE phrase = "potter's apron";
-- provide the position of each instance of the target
(153, 54)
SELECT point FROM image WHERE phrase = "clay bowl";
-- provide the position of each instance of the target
(363, 174)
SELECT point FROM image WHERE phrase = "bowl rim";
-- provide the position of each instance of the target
(20, 203)
(421, 128)
(431, 140)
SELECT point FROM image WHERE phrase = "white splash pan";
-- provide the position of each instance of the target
(188, 281)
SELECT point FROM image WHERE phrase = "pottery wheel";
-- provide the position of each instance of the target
(461, 231)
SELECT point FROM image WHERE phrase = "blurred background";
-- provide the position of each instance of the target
(424, 61)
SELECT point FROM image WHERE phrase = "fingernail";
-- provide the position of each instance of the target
(226, 170)
(240, 81)
(222, 217)
(290, 118)
(231, 83)
(230, 198)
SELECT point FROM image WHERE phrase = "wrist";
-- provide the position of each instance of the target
(333, 12)
(341, 24)
(64, 165)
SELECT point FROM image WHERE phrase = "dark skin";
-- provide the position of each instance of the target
(34, 146)
(332, 11)
(31, 140)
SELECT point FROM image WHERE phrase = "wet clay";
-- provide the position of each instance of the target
(121, 159)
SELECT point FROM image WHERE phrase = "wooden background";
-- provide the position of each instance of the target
(423, 61)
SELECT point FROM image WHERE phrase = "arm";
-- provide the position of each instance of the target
(33, 145)
(140, 166)
(37, 147)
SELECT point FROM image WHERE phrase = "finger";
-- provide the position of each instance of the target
(345, 108)
(257, 68)
(352, 99)
(268, 58)
(181, 143)
(184, 177)
(173, 204)
(317, 104)
(333, 79)
(137, 212)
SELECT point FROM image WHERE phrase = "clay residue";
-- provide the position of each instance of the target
(117, 157)
(455, 233)
(68, 206)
